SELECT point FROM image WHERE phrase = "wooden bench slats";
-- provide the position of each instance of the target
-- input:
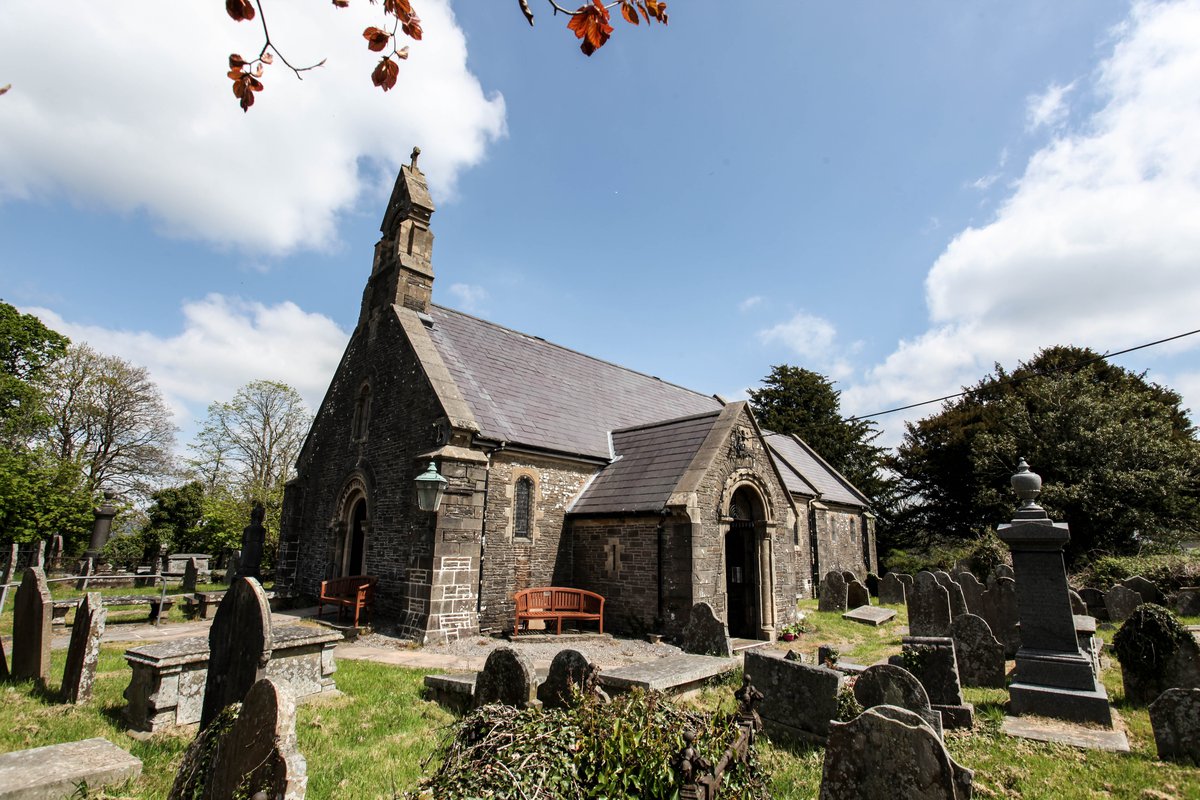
(558, 603)
(355, 591)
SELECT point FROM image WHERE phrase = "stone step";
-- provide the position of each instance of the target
(54, 772)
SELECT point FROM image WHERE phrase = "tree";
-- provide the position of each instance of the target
(798, 401)
(1118, 456)
(27, 349)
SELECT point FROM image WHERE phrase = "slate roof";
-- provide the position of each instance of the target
(651, 460)
(797, 459)
(525, 390)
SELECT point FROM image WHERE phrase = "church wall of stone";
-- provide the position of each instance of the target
(618, 558)
(840, 534)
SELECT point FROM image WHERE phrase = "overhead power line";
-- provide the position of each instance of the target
(1014, 381)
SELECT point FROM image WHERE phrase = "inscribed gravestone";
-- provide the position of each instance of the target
(31, 628)
(1120, 602)
(508, 677)
(1002, 615)
(891, 589)
(1094, 600)
(979, 654)
(239, 645)
(799, 700)
(848, 576)
(928, 607)
(832, 596)
(1144, 587)
(958, 605)
(889, 685)
(1175, 719)
(972, 591)
(857, 595)
(84, 651)
(191, 573)
(705, 633)
(1077, 604)
(888, 752)
(569, 673)
(931, 660)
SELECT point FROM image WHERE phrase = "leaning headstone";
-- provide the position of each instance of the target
(191, 574)
(928, 607)
(253, 756)
(254, 536)
(972, 591)
(84, 651)
(1144, 587)
(1077, 605)
(889, 685)
(1120, 602)
(1187, 601)
(888, 752)
(1002, 614)
(705, 634)
(239, 645)
(569, 674)
(832, 595)
(31, 628)
(1094, 600)
(891, 589)
(931, 660)
(979, 655)
(958, 605)
(507, 678)
(39, 554)
(1175, 719)
(857, 595)
(799, 700)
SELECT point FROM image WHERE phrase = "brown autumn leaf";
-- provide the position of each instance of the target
(341, 3)
(412, 26)
(244, 87)
(4, 89)
(236, 61)
(655, 9)
(629, 12)
(267, 58)
(376, 39)
(240, 11)
(590, 23)
(385, 74)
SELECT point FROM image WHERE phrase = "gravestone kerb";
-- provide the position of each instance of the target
(83, 654)
(239, 645)
(32, 628)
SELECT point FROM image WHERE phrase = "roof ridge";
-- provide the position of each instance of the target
(658, 423)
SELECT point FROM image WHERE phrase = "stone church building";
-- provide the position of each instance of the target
(563, 470)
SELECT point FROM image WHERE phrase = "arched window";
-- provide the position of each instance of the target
(523, 508)
(362, 414)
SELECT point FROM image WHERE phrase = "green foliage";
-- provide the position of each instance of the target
(27, 347)
(126, 551)
(1148, 639)
(848, 706)
(176, 520)
(933, 559)
(987, 554)
(1168, 572)
(40, 496)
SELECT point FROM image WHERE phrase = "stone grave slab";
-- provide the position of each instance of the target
(54, 772)
(673, 674)
(705, 633)
(1175, 719)
(84, 651)
(1044, 729)
(832, 594)
(799, 700)
(870, 615)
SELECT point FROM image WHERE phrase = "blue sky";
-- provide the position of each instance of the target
(895, 194)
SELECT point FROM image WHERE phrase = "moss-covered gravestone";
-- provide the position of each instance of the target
(84, 652)
(1156, 653)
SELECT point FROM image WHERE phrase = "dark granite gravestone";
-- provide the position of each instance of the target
(1145, 588)
(891, 589)
(1187, 602)
(1053, 677)
(1094, 600)
(1120, 602)
(1175, 719)
(239, 647)
(569, 674)
(1002, 614)
(979, 655)
(958, 604)
(508, 678)
(1003, 571)
(1181, 670)
(84, 651)
(889, 685)
(31, 628)
(888, 753)
(799, 700)
(191, 573)
(832, 594)
(857, 595)
(928, 607)
(255, 755)
(705, 634)
(972, 591)
(931, 661)
(253, 537)
(1077, 605)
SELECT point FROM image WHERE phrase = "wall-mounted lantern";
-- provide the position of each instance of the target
(430, 487)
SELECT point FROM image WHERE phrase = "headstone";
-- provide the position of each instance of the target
(1187, 602)
(705, 634)
(1144, 587)
(848, 576)
(56, 551)
(928, 607)
(872, 584)
(255, 755)
(254, 536)
(1077, 605)
(39, 554)
(191, 573)
(1004, 571)
(906, 579)
(798, 700)
(234, 565)
(931, 661)
(507, 678)
(1180, 670)
(1175, 719)
(84, 651)
(958, 604)
(891, 589)
(979, 655)
(569, 674)
(832, 595)
(1120, 602)
(972, 591)
(857, 595)
(1002, 614)
(1094, 600)
(1053, 677)
(889, 685)
(239, 645)
(87, 567)
(31, 628)
(888, 752)
(3, 662)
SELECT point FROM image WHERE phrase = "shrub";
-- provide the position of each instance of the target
(1167, 572)
(1148, 640)
(987, 554)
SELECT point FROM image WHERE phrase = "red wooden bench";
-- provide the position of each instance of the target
(558, 603)
(356, 591)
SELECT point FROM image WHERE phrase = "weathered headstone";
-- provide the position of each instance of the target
(508, 678)
(569, 674)
(1120, 602)
(799, 700)
(1187, 601)
(191, 574)
(1144, 587)
(972, 591)
(1175, 719)
(928, 607)
(979, 655)
(1094, 600)
(857, 595)
(889, 685)
(84, 651)
(891, 589)
(56, 551)
(39, 554)
(3, 661)
(1077, 604)
(848, 576)
(1004, 571)
(239, 645)
(906, 579)
(705, 634)
(832, 595)
(233, 565)
(87, 567)
(254, 536)
(255, 754)
(872, 584)
(1179, 670)
(1002, 614)
(958, 604)
(31, 628)
(931, 660)
(888, 752)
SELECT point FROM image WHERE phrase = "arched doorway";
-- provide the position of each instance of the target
(356, 545)
(741, 565)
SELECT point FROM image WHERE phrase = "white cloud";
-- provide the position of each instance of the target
(136, 114)
(749, 303)
(469, 297)
(1048, 109)
(813, 339)
(1096, 246)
